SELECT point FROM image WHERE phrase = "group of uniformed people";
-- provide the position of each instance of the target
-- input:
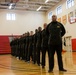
(29, 45)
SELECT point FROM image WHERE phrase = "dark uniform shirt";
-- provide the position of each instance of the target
(35, 38)
(27, 40)
(39, 39)
(55, 30)
(30, 42)
(44, 39)
(31, 39)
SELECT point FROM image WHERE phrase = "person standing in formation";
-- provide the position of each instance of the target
(44, 44)
(55, 31)
(38, 44)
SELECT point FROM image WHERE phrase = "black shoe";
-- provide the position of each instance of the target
(34, 62)
(25, 60)
(43, 66)
(38, 64)
(63, 70)
(50, 71)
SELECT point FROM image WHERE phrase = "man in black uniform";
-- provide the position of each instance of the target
(16, 50)
(26, 48)
(44, 44)
(12, 44)
(34, 46)
(30, 47)
(20, 48)
(14, 47)
(38, 44)
(55, 31)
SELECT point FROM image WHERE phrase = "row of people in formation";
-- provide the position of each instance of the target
(49, 39)
(30, 45)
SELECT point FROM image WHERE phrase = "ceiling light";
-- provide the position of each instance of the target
(10, 7)
(39, 8)
(46, 1)
(11, 4)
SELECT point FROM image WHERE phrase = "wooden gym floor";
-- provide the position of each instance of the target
(10, 65)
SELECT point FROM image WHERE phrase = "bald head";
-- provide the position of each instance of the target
(39, 28)
(54, 18)
(45, 25)
(31, 32)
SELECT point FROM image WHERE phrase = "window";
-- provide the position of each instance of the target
(49, 15)
(11, 16)
(69, 3)
(58, 10)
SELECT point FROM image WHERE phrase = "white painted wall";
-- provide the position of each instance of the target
(70, 28)
(25, 21)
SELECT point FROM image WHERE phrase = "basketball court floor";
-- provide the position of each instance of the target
(10, 65)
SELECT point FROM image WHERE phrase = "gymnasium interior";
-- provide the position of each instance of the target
(20, 16)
